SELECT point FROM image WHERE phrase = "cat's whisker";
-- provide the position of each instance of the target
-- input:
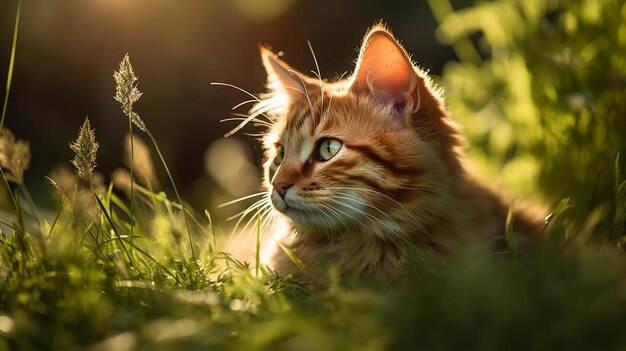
(333, 223)
(357, 200)
(236, 87)
(259, 216)
(370, 190)
(325, 221)
(269, 106)
(246, 120)
(256, 207)
(241, 199)
(333, 226)
(259, 109)
(330, 101)
(335, 212)
(243, 103)
(256, 121)
(255, 135)
(354, 198)
(243, 115)
(377, 193)
(374, 219)
(269, 220)
(259, 209)
(247, 210)
(319, 73)
(306, 91)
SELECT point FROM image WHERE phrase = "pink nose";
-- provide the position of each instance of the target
(281, 187)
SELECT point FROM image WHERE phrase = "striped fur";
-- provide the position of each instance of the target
(398, 190)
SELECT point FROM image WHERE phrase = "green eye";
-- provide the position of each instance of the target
(280, 154)
(329, 148)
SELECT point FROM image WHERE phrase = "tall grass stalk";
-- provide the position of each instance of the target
(6, 98)
(178, 197)
(11, 64)
(132, 183)
(127, 94)
(257, 252)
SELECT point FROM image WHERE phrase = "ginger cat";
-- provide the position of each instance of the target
(368, 173)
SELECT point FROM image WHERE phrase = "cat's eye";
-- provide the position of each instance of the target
(280, 154)
(329, 148)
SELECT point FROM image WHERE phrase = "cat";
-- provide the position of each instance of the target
(368, 174)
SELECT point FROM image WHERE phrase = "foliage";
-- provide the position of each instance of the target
(543, 104)
(546, 105)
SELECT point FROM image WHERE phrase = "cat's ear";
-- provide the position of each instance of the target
(385, 70)
(282, 79)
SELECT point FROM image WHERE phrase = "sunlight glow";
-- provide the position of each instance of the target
(228, 163)
(262, 10)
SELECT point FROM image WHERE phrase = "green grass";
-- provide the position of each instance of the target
(106, 273)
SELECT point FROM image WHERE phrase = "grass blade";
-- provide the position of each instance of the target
(11, 63)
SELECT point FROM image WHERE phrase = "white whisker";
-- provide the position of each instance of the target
(269, 220)
(378, 193)
(258, 215)
(243, 103)
(247, 210)
(319, 73)
(251, 117)
(256, 121)
(255, 135)
(236, 87)
(371, 217)
(243, 115)
(306, 90)
(325, 221)
(259, 208)
(330, 101)
(241, 199)
(357, 200)
(336, 211)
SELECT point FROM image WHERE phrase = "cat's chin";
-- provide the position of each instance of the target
(301, 216)
(279, 203)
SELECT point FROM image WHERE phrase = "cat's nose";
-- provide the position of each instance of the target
(281, 187)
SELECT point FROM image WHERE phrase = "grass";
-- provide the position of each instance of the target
(145, 273)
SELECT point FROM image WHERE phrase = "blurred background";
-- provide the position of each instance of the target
(538, 85)
(68, 49)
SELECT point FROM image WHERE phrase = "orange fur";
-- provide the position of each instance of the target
(397, 191)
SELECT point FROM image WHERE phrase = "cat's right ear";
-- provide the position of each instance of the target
(284, 80)
(385, 70)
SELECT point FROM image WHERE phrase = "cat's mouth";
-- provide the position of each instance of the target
(291, 206)
(283, 204)
(311, 214)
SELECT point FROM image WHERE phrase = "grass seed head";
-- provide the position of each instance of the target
(126, 91)
(14, 156)
(85, 149)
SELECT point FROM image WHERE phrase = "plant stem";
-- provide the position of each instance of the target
(132, 182)
(11, 64)
(169, 175)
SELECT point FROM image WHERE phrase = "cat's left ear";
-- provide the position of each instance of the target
(282, 79)
(385, 70)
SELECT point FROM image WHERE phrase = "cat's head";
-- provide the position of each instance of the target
(374, 152)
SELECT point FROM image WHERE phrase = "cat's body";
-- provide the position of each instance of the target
(368, 173)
